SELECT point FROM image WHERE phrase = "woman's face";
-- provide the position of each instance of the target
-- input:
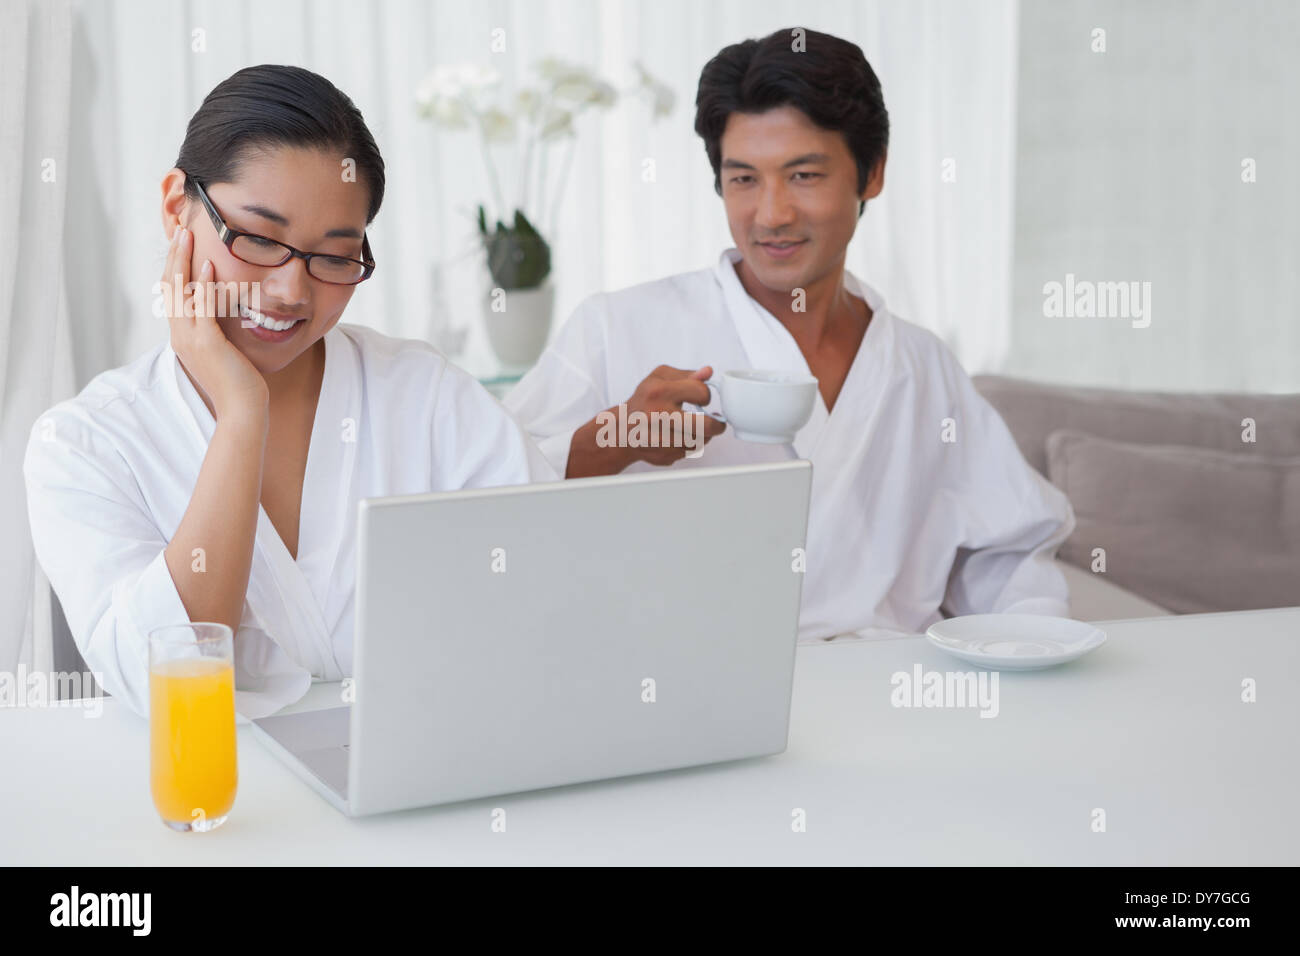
(299, 197)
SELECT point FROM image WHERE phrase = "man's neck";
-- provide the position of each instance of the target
(811, 313)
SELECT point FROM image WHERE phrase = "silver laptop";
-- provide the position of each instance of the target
(516, 638)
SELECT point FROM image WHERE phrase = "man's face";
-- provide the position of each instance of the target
(791, 192)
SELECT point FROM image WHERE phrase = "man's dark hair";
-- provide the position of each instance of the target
(269, 106)
(824, 77)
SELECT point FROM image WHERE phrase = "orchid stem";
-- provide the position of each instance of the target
(492, 171)
(559, 189)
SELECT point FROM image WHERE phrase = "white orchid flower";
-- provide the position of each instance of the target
(603, 95)
(585, 90)
(498, 126)
(556, 124)
(445, 95)
(527, 103)
(573, 87)
(550, 67)
(662, 98)
(446, 111)
(575, 84)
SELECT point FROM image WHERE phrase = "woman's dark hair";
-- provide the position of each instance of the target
(826, 78)
(270, 106)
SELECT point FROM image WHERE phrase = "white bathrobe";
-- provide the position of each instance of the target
(110, 474)
(920, 497)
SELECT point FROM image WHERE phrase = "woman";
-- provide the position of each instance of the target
(217, 477)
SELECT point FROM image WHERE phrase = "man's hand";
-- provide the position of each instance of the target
(661, 393)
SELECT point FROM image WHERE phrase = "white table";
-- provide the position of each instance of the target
(1151, 728)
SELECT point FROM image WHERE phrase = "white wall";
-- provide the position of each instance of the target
(1129, 168)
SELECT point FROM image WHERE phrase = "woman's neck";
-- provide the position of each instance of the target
(299, 379)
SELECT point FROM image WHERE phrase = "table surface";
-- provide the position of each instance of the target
(1151, 728)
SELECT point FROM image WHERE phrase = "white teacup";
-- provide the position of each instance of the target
(764, 405)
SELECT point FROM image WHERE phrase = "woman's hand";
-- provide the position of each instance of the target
(231, 382)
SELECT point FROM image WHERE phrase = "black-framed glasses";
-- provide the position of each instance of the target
(260, 251)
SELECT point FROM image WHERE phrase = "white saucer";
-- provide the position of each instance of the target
(1015, 642)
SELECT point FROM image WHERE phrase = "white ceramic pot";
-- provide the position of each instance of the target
(518, 322)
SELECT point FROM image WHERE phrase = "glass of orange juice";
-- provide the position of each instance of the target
(192, 768)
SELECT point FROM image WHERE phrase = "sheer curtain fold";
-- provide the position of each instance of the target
(35, 69)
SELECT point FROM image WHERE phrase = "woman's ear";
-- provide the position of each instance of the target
(175, 204)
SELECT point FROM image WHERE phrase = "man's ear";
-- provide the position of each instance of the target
(175, 204)
(875, 181)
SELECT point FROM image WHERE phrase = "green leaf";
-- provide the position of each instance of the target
(523, 226)
(517, 260)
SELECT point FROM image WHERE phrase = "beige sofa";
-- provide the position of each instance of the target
(1195, 498)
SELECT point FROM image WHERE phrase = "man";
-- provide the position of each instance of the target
(921, 499)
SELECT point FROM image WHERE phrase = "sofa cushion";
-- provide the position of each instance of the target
(1192, 529)
(1033, 409)
(1095, 597)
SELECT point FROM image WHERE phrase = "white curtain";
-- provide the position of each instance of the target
(938, 250)
(35, 173)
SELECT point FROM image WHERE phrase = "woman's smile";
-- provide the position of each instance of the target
(270, 326)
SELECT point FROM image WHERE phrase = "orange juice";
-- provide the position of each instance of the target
(192, 731)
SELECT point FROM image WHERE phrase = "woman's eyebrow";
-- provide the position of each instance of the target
(345, 232)
(265, 213)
